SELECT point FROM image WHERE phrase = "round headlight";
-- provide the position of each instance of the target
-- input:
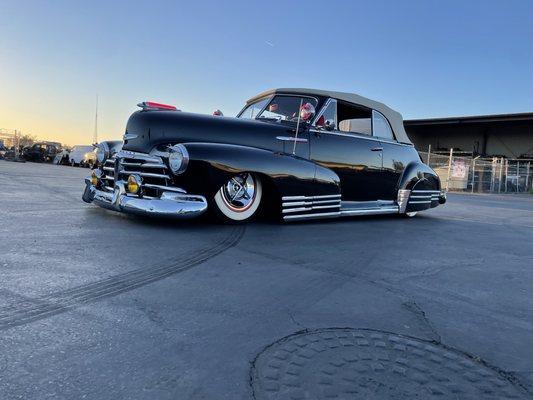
(178, 159)
(102, 152)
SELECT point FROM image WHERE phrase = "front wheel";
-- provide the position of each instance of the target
(239, 198)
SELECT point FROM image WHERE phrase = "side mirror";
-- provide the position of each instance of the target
(329, 125)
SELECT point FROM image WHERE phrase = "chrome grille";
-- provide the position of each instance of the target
(108, 173)
(155, 175)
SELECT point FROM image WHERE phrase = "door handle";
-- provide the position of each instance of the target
(376, 149)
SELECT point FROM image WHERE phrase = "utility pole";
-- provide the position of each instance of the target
(95, 136)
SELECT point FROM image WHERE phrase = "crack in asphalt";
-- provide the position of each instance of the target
(63, 301)
(298, 324)
(420, 313)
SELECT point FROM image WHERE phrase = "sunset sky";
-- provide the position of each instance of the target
(423, 58)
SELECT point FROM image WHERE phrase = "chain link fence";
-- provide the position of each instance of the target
(481, 175)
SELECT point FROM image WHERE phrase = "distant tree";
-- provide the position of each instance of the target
(26, 140)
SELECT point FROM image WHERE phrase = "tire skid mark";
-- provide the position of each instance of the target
(71, 298)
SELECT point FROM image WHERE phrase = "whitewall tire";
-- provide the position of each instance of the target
(238, 199)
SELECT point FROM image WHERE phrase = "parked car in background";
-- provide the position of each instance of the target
(61, 158)
(77, 155)
(3, 151)
(300, 153)
(40, 152)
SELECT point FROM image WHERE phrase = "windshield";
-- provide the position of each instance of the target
(286, 108)
(280, 108)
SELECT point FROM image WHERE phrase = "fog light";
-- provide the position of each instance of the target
(94, 179)
(134, 184)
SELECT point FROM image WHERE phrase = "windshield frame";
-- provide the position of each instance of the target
(247, 105)
(272, 97)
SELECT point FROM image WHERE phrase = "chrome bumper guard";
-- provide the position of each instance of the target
(169, 204)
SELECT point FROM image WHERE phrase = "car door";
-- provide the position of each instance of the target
(354, 158)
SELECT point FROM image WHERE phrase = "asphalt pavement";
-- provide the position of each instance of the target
(100, 305)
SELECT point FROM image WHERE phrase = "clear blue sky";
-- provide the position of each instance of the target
(423, 58)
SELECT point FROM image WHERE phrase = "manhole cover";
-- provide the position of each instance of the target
(367, 364)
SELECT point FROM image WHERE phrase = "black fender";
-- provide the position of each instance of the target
(213, 164)
(421, 180)
(418, 175)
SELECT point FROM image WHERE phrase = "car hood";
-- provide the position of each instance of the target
(147, 129)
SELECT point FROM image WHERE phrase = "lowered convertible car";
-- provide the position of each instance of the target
(300, 153)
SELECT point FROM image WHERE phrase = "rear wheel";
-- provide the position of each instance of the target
(239, 198)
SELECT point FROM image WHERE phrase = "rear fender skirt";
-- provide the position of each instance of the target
(291, 175)
(422, 185)
(420, 175)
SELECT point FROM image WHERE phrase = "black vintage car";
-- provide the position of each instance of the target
(301, 153)
(40, 152)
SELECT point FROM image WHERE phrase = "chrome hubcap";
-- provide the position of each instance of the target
(239, 192)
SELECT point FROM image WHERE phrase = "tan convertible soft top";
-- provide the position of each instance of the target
(394, 117)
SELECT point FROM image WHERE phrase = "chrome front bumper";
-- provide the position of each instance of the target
(169, 204)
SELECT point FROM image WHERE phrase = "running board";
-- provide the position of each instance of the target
(344, 212)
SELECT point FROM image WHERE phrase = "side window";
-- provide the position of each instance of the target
(329, 114)
(380, 126)
(354, 118)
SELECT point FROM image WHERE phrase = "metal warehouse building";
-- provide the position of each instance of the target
(506, 135)
(485, 153)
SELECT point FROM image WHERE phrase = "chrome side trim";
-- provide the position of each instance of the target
(422, 196)
(420, 202)
(426, 191)
(308, 203)
(344, 213)
(327, 196)
(314, 204)
(355, 135)
(311, 216)
(311, 208)
(291, 139)
(370, 211)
